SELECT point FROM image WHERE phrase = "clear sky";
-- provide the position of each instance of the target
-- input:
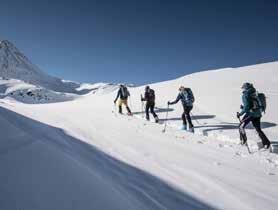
(140, 41)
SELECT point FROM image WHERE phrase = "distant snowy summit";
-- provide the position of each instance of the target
(15, 65)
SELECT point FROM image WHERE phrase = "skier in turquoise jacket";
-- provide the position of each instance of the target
(251, 112)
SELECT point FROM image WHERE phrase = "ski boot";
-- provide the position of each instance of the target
(184, 127)
(191, 130)
(156, 120)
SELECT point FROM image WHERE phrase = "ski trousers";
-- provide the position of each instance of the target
(256, 121)
(186, 116)
(150, 107)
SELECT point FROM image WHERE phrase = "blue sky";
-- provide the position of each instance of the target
(140, 41)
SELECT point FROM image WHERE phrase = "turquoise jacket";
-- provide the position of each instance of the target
(247, 104)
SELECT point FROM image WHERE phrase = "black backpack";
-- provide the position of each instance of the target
(188, 96)
(258, 101)
(124, 92)
(151, 95)
(262, 101)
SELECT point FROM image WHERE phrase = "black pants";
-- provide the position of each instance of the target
(256, 121)
(186, 116)
(150, 107)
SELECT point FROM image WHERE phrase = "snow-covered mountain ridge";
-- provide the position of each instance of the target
(15, 65)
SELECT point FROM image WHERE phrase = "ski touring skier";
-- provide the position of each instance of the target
(251, 110)
(123, 95)
(187, 98)
(149, 97)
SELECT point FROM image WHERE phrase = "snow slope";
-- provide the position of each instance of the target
(81, 154)
(218, 98)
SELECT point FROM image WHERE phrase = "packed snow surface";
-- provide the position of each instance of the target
(81, 154)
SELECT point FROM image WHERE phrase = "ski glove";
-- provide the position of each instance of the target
(115, 101)
(238, 115)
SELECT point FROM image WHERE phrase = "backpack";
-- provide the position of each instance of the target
(151, 95)
(187, 96)
(258, 101)
(124, 92)
(262, 101)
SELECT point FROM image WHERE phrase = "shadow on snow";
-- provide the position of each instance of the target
(232, 126)
(157, 110)
(42, 167)
(193, 117)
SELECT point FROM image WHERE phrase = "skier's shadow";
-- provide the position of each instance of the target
(195, 117)
(231, 126)
(157, 110)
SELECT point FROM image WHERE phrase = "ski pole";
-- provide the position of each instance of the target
(243, 137)
(166, 119)
(130, 102)
(142, 106)
(115, 109)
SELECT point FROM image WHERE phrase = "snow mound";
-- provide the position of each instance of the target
(30, 94)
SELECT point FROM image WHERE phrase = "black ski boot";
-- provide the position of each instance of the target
(156, 119)
(120, 110)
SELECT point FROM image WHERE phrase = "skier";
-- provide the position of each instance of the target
(251, 109)
(149, 97)
(123, 94)
(187, 98)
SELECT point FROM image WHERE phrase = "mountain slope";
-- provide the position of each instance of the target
(218, 95)
(15, 65)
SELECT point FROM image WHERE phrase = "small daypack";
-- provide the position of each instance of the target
(187, 96)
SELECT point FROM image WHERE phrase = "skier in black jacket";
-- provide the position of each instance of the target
(123, 94)
(150, 103)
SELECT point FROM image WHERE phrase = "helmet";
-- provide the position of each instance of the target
(147, 87)
(246, 86)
